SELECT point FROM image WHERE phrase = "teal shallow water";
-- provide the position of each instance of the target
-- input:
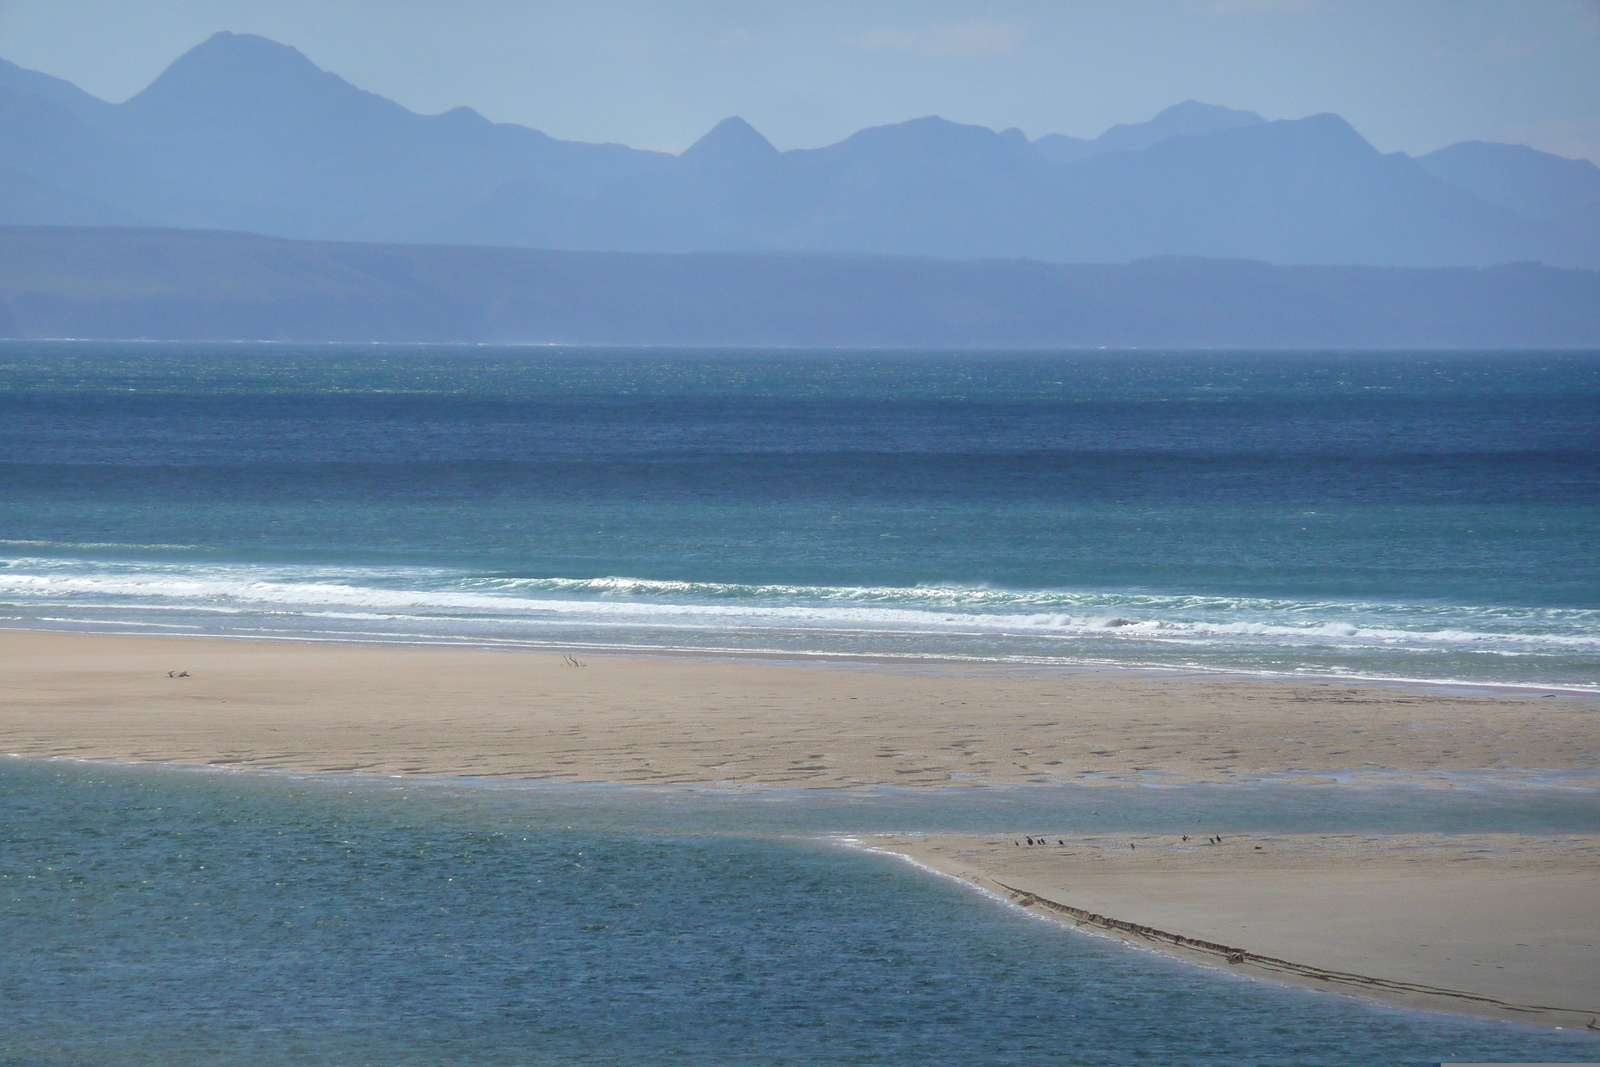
(174, 917)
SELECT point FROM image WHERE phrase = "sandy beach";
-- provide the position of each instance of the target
(1497, 925)
(1501, 925)
(621, 718)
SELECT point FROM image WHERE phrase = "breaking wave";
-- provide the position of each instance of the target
(1506, 644)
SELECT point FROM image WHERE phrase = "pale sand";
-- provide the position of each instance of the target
(1338, 904)
(1501, 925)
(421, 710)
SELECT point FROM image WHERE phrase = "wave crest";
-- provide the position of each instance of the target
(944, 619)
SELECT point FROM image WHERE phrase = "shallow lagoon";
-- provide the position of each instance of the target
(170, 916)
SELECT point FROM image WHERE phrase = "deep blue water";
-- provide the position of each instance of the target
(177, 918)
(1406, 515)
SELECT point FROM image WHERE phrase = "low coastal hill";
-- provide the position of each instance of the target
(243, 133)
(120, 282)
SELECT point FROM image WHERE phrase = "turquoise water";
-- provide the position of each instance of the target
(1420, 516)
(167, 917)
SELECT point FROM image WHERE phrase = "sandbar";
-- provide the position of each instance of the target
(389, 709)
(1500, 925)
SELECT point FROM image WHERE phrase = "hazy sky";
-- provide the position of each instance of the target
(1410, 74)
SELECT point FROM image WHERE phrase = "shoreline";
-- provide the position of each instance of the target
(738, 720)
(1532, 780)
(825, 658)
(1164, 912)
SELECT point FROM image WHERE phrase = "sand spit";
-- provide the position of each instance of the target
(679, 720)
(1499, 925)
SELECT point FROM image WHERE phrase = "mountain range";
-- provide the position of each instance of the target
(242, 133)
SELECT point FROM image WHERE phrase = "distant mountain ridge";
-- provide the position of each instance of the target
(1188, 119)
(1529, 182)
(243, 133)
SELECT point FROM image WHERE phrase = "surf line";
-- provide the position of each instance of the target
(1023, 898)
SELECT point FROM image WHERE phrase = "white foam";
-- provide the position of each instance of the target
(1119, 625)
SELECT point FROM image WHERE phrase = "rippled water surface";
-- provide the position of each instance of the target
(1405, 515)
(185, 918)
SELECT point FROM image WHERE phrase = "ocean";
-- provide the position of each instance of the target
(1420, 516)
(1428, 517)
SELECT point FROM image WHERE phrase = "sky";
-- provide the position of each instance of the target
(1411, 75)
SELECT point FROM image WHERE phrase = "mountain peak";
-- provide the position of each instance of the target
(929, 134)
(731, 140)
(225, 60)
(228, 43)
(1210, 116)
(241, 112)
(1191, 118)
(236, 88)
(232, 77)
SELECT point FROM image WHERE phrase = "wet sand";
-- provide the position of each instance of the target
(1502, 925)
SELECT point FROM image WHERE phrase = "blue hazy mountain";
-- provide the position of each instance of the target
(244, 133)
(925, 187)
(55, 167)
(278, 145)
(1308, 191)
(1188, 119)
(84, 106)
(1529, 182)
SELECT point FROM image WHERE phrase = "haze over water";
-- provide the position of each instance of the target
(1421, 516)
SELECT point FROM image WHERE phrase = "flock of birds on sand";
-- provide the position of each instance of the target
(1030, 842)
